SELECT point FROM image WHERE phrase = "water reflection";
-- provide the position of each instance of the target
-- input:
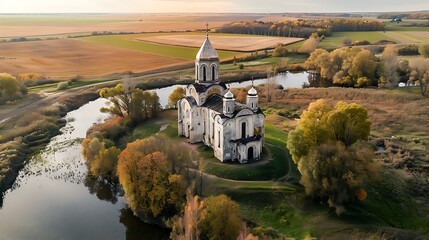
(102, 188)
(53, 198)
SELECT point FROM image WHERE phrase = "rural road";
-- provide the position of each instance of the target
(52, 97)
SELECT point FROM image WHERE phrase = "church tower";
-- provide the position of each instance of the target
(252, 99)
(228, 104)
(207, 63)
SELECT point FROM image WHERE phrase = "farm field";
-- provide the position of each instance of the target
(408, 36)
(130, 42)
(336, 39)
(43, 25)
(69, 57)
(245, 43)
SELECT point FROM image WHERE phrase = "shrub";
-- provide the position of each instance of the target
(408, 50)
(62, 86)
(241, 66)
(424, 50)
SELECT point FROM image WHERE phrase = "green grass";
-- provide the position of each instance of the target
(128, 42)
(292, 58)
(406, 26)
(278, 167)
(336, 39)
(50, 87)
(389, 202)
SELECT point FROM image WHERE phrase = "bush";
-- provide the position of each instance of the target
(241, 66)
(62, 85)
(424, 50)
(408, 50)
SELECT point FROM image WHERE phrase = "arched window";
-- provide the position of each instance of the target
(213, 72)
(243, 130)
(204, 73)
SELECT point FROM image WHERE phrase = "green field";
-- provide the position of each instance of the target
(129, 42)
(416, 26)
(336, 39)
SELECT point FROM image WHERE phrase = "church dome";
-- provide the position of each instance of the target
(207, 51)
(252, 92)
(229, 95)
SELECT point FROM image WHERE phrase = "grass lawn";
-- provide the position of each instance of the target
(128, 42)
(280, 165)
(336, 39)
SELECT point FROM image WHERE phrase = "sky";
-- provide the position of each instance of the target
(236, 6)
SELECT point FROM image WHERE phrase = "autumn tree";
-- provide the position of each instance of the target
(220, 218)
(136, 104)
(328, 147)
(175, 96)
(389, 72)
(424, 50)
(280, 51)
(9, 87)
(186, 226)
(310, 44)
(149, 185)
(420, 75)
(101, 160)
(215, 218)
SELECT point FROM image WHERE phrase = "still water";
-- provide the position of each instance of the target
(287, 80)
(53, 198)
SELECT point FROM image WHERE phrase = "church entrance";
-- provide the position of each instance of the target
(243, 130)
(250, 154)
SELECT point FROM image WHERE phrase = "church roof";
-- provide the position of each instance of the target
(215, 103)
(247, 140)
(200, 88)
(191, 101)
(207, 51)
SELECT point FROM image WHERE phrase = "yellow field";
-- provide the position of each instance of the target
(68, 57)
(244, 43)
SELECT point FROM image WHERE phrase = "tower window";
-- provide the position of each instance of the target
(213, 73)
(204, 73)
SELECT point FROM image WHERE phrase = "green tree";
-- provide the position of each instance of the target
(327, 147)
(175, 96)
(119, 98)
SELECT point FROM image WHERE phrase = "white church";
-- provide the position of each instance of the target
(209, 113)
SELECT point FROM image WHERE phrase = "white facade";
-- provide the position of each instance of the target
(209, 113)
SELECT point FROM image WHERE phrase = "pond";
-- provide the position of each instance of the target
(53, 198)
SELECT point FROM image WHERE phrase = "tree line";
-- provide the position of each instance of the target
(358, 67)
(301, 28)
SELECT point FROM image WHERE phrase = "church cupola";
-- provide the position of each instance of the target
(207, 62)
(228, 104)
(252, 99)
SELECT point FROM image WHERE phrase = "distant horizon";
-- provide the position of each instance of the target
(244, 13)
(208, 6)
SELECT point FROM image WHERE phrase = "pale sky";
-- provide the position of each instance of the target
(236, 6)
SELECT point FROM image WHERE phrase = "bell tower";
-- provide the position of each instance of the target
(207, 63)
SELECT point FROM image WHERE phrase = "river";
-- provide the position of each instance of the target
(287, 80)
(53, 198)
